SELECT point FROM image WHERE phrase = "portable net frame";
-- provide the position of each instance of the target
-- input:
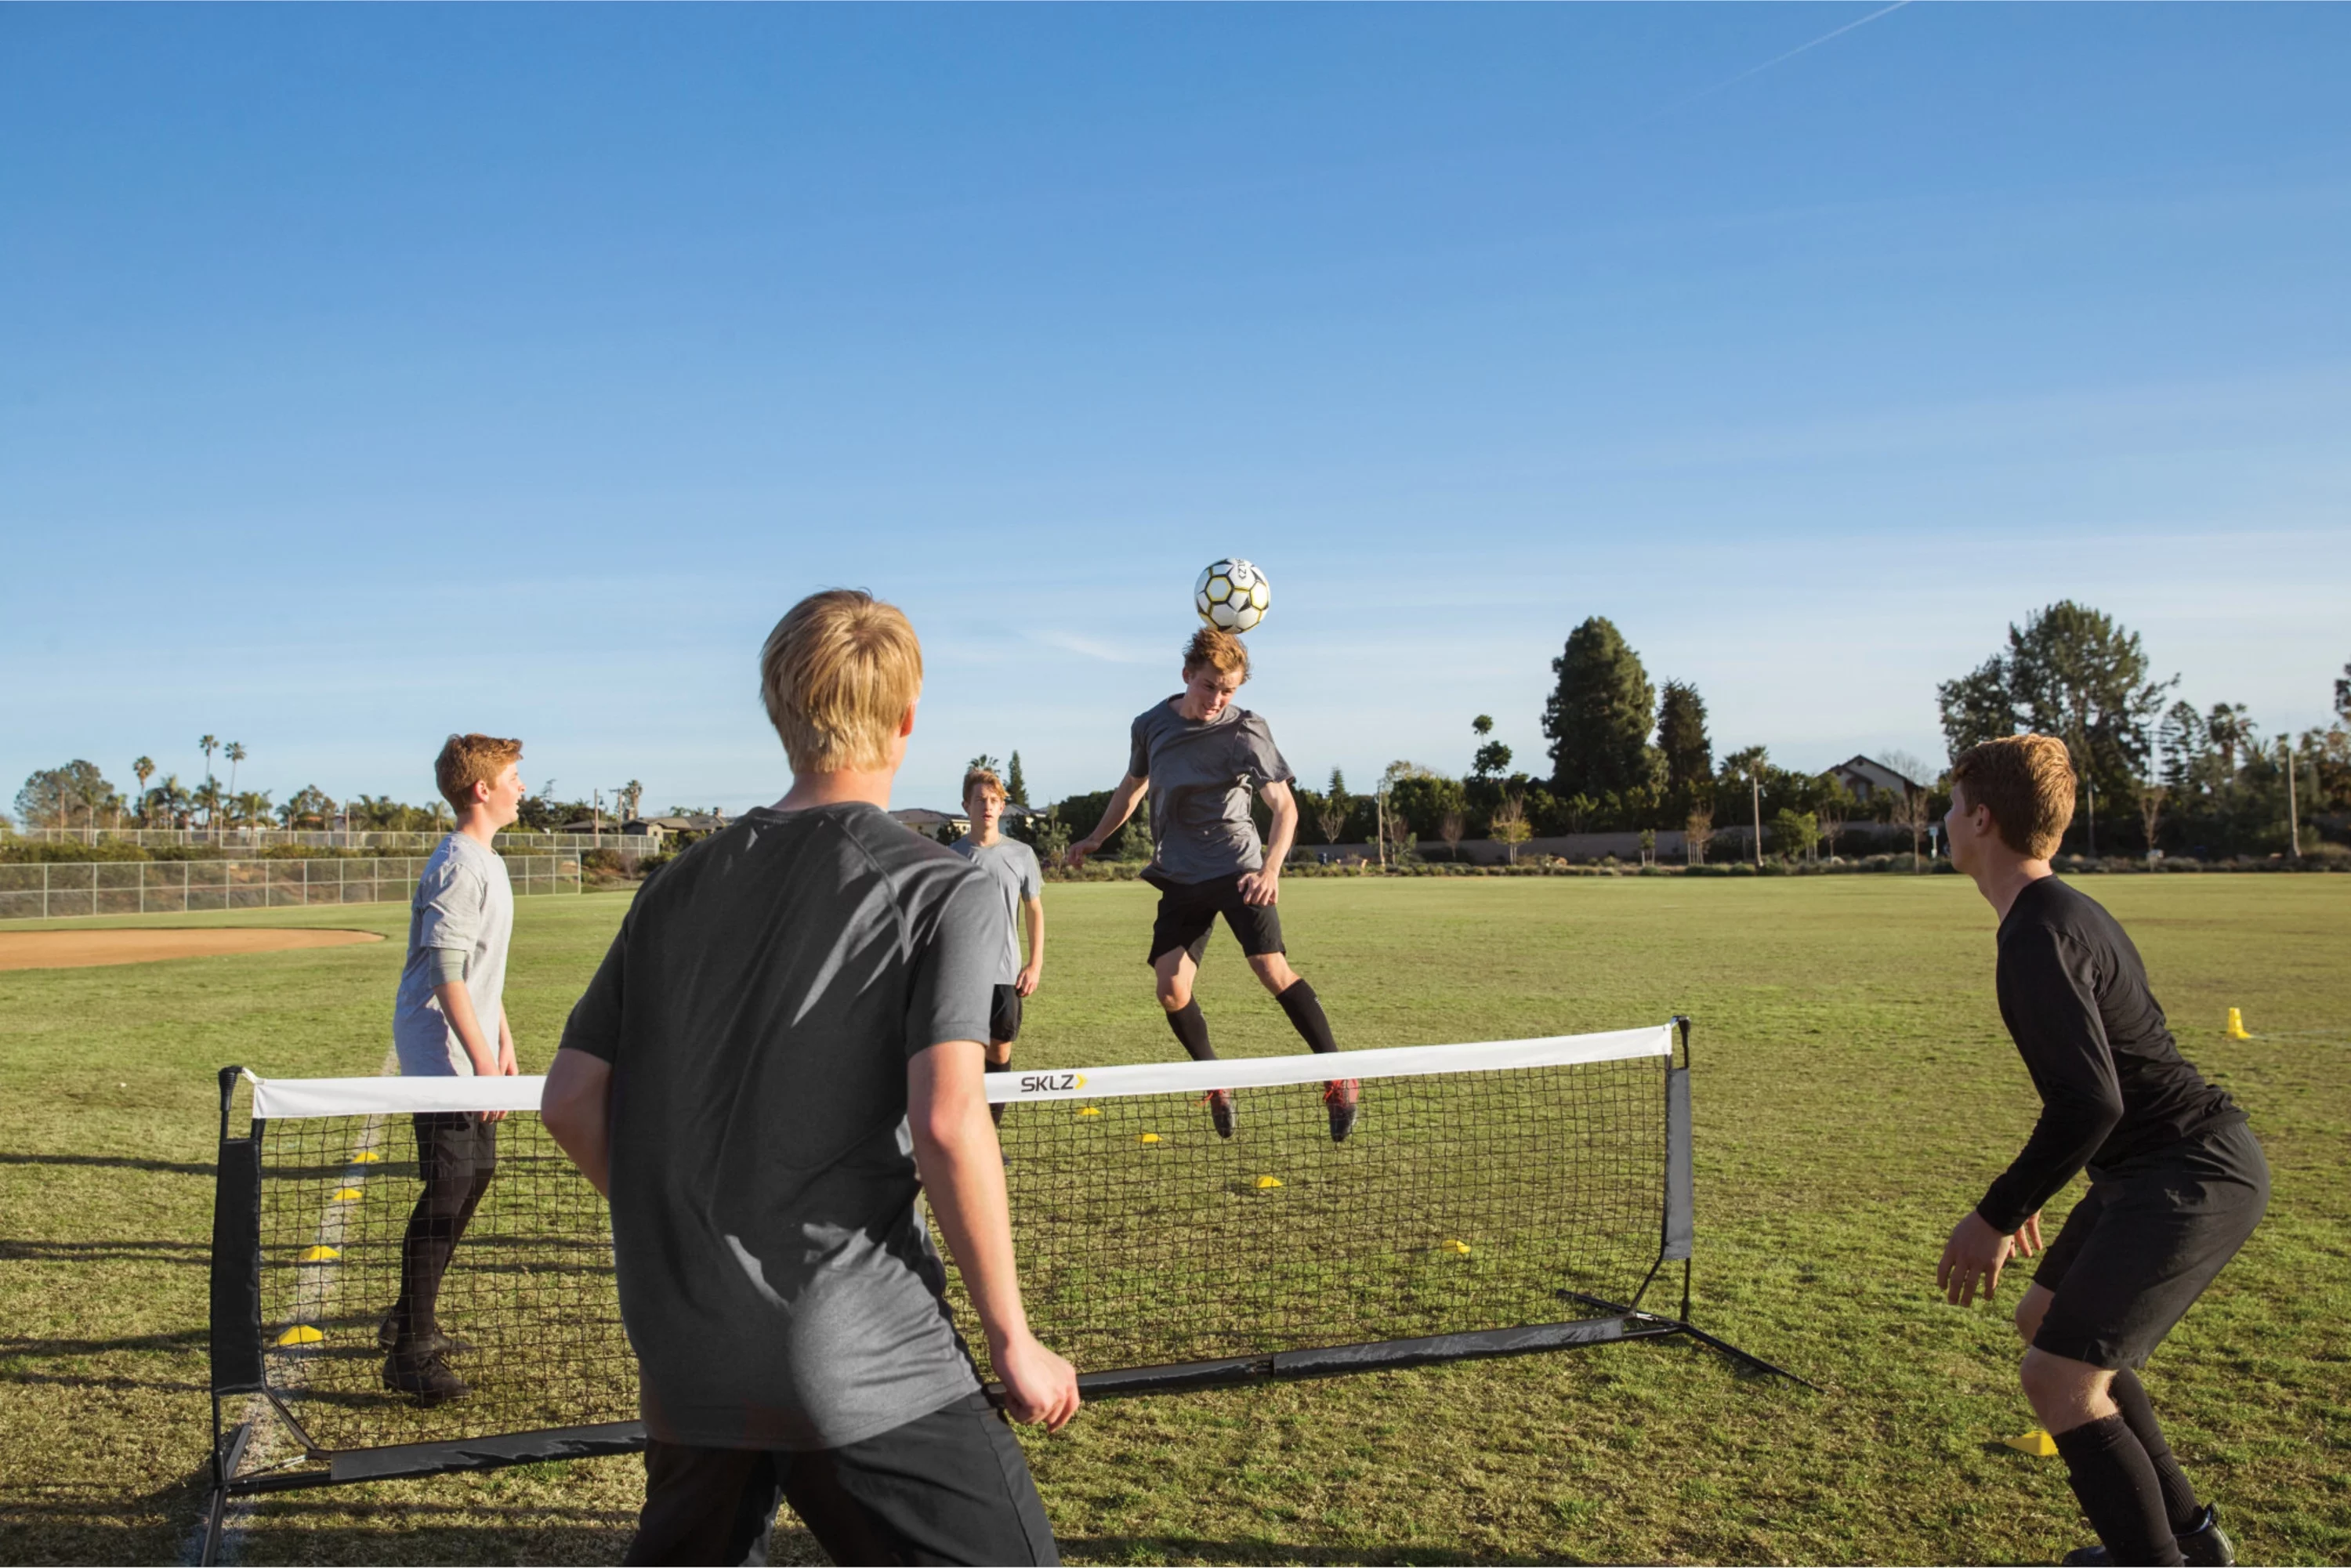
(1494, 1199)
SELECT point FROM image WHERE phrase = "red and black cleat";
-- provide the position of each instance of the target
(1220, 1111)
(1341, 1098)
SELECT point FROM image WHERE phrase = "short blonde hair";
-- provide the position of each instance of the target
(2026, 782)
(838, 674)
(466, 760)
(987, 779)
(1218, 648)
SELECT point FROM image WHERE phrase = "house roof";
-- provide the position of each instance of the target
(1878, 775)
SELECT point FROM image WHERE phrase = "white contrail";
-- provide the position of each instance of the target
(1776, 59)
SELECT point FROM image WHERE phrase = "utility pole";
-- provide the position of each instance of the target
(2293, 808)
(1755, 784)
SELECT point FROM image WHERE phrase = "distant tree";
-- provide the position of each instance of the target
(1834, 810)
(1510, 828)
(53, 796)
(1697, 833)
(310, 807)
(1134, 841)
(2229, 730)
(1910, 810)
(1449, 828)
(236, 753)
(2151, 814)
(1599, 714)
(984, 761)
(1492, 758)
(1015, 785)
(632, 794)
(250, 810)
(143, 770)
(2343, 695)
(1648, 845)
(1681, 737)
(208, 745)
(1049, 836)
(1978, 706)
(1793, 832)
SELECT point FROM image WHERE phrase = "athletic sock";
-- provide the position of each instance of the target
(1306, 1016)
(2111, 1475)
(2179, 1499)
(1193, 1030)
(995, 1108)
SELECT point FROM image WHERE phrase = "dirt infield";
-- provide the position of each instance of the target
(81, 949)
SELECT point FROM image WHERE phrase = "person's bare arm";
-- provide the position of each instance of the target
(1114, 815)
(457, 1006)
(1032, 914)
(963, 1176)
(577, 1106)
(507, 1067)
(1264, 886)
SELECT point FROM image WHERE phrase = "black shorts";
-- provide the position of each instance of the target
(1004, 1016)
(1188, 911)
(453, 1146)
(2144, 1241)
(949, 1487)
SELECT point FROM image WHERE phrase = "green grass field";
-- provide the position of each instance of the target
(1854, 1093)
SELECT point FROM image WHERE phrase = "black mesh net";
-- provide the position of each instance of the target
(1462, 1201)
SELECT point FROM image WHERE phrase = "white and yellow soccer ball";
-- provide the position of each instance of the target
(1232, 595)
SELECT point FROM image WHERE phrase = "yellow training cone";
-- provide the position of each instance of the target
(320, 1255)
(367, 1157)
(346, 1195)
(1460, 1247)
(2040, 1445)
(1150, 1137)
(1088, 1111)
(2236, 1029)
(301, 1334)
(1267, 1184)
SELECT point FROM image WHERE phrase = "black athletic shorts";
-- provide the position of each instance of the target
(949, 1487)
(452, 1146)
(2144, 1241)
(1004, 1015)
(1188, 911)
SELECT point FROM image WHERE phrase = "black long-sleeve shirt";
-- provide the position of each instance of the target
(2113, 1083)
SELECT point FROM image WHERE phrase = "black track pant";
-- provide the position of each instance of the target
(456, 1155)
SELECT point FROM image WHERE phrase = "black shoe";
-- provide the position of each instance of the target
(1220, 1111)
(437, 1343)
(427, 1378)
(1340, 1099)
(2206, 1546)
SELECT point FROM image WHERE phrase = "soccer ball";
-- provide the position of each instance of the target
(1232, 596)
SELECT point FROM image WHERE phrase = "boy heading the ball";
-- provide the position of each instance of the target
(2177, 1180)
(1010, 867)
(1199, 759)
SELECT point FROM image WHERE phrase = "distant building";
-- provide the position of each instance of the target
(1867, 778)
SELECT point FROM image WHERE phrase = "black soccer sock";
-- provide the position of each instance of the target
(995, 1108)
(1193, 1030)
(1306, 1016)
(2111, 1474)
(2179, 1498)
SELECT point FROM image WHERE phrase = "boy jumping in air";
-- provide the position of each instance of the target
(1200, 758)
(2177, 1180)
(450, 1019)
(1011, 869)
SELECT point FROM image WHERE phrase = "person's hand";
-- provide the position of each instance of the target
(1026, 981)
(1037, 1385)
(1075, 855)
(506, 1068)
(2028, 1236)
(1975, 1255)
(1260, 887)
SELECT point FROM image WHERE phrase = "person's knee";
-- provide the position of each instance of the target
(999, 1052)
(1175, 992)
(1274, 970)
(2063, 1391)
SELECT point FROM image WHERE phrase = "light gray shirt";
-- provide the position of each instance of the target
(463, 907)
(759, 1008)
(1203, 774)
(1011, 869)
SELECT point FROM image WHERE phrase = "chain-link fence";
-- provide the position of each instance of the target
(510, 841)
(183, 887)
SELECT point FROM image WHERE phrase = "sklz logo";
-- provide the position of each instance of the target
(1051, 1083)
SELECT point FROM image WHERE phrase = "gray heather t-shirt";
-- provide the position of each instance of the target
(1011, 868)
(463, 905)
(759, 1007)
(1203, 774)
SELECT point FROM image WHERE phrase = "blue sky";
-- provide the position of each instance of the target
(371, 372)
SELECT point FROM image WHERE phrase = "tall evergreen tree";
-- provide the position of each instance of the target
(1681, 736)
(1016, 788)
(1598, 716)
(2072, 671)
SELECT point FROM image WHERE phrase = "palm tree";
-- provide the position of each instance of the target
(144, 770)
(208, 745)
(236, 753)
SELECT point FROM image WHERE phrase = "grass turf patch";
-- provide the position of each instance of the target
(1854, 1092)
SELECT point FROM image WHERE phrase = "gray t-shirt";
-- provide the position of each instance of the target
(464, 906)
(1011, 866)
(759, 1007)
(1203, 774)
